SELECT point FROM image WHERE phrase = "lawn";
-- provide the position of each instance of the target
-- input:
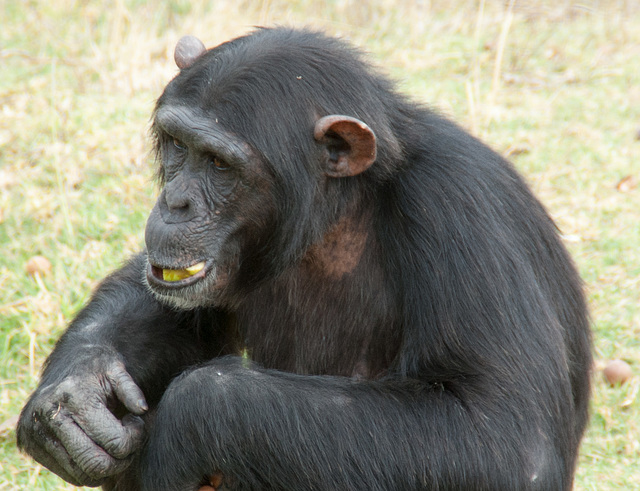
(554, 85)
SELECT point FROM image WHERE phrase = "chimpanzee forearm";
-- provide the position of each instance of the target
(338, 433)
(86, 420)
(123, 318)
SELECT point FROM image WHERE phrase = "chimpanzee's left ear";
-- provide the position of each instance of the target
(350, 145)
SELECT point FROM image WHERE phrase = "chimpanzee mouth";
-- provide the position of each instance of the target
(177, 278)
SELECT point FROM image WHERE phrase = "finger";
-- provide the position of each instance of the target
(62, 465)
(127, 391)
(89, 457)
(118, 438)
(49, 452)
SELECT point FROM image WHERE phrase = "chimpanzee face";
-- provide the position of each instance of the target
(246, 154)
(215, 199)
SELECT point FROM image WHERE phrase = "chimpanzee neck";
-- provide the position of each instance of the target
(310, 320)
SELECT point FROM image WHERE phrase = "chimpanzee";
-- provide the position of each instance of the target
(341, 289)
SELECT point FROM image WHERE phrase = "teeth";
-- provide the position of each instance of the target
(195, 268)
(181, 274)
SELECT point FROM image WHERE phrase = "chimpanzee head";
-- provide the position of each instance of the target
(262, 143)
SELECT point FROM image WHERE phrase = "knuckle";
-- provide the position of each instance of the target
(95, 463)
(40, 405)
(26, 431)
(116, 370)
(34, 430)
(120, 446)
(64, 394)
(69, 389)
(40, 415)
(121, 441)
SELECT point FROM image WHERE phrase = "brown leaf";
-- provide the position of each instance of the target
(38, 265)
(627, 184)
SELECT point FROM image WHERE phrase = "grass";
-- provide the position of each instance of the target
(554, 85)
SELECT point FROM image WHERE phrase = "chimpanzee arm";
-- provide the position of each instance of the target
(268, 429)
(154, 341)
(120, 352)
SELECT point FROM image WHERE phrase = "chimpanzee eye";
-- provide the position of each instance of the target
(220, 164)
(178, 144)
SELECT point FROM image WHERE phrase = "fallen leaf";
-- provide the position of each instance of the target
(38, 265)
(627, 184)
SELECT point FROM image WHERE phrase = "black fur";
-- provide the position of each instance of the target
(454, 353)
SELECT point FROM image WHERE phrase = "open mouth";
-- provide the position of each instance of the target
(177, 277)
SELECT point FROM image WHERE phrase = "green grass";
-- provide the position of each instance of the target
(77, 85)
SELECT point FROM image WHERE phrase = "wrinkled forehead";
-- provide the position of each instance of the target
(194, 127)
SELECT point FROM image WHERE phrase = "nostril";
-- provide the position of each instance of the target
(176, 201)
(176, 194)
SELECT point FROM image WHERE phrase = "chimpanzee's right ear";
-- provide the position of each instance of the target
(188, 49)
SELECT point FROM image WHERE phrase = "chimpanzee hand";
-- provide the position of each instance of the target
(70, 427)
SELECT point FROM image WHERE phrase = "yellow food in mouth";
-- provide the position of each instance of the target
(181, 274)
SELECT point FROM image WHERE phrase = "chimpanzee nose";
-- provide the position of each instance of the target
(177, 198)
